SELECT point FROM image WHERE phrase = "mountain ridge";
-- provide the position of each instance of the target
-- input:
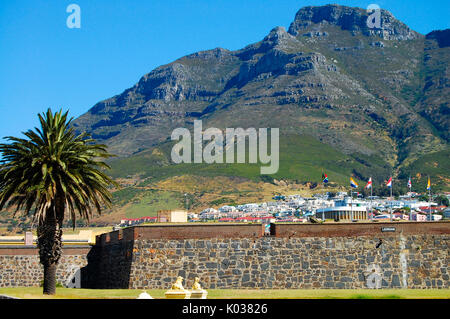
(362, 91)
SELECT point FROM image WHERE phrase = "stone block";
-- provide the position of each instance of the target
(177, 294)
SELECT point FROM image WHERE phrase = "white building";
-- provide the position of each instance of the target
(446, 213)
(345, 209)
(227, 209)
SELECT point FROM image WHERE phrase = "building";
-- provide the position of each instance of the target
(382, 217)
(344, 210)
(434, 217)
(136, 221)
(446, 213)
(227, 209)
(172, 216)
(414, 204)
(418, 217)
(401, 216)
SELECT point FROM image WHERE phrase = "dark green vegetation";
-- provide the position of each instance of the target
(348, 100)
(50, 173)
(302, 158)
(436, 165)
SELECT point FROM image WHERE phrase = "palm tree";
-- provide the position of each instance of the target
(51, 173)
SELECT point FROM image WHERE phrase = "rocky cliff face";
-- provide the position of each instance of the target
(442, 37)
(163, 99)
(382, 93)
(434, 101)
(351, 19)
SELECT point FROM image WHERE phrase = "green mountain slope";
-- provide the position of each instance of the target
(302, 158)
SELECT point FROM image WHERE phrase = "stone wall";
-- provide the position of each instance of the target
(359, 255)
(398, 259)
(359, 229)
(109, 266)
(20, 266)
(293, 263)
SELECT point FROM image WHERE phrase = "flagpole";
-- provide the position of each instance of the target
(323, 185)
(392, 186)
(323, 210)
(410, 190)
(351, 204)
(429, 199)
(371, 197)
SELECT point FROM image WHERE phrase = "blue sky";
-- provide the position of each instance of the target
(45, 64)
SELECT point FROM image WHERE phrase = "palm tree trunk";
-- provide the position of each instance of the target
(50, 250)
(50, 279)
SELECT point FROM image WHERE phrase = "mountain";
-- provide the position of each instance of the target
(355, 100)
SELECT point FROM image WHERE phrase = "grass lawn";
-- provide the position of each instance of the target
(67, 293)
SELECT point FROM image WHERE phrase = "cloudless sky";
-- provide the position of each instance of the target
(45, 64)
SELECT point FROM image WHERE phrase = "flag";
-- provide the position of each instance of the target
(409, 183)
(429, 184)
(369, 183)
(389, 183)
(353, 183)
(324, 178)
